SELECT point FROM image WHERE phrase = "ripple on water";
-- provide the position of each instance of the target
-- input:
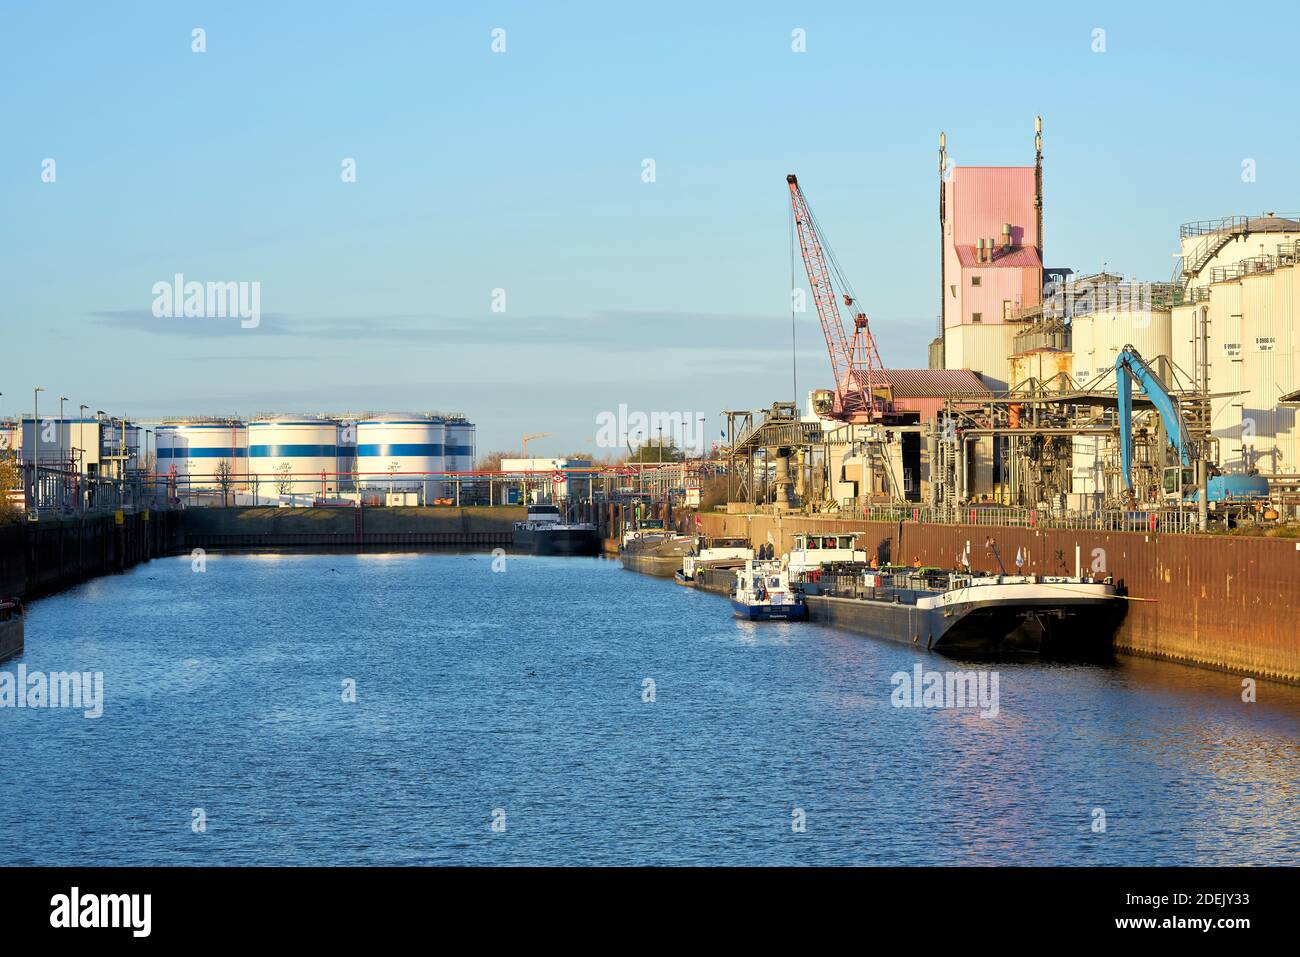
(522, 691)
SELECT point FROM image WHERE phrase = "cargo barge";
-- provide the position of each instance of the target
(652, 549)
(11, 627)
(965, 614)
(544, 532)
(962, 613)
(718, 553)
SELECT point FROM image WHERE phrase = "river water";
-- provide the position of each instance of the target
(537, 710)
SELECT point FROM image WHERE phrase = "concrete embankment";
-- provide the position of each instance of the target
(448, 527)
(1225, 602)
(37, 558)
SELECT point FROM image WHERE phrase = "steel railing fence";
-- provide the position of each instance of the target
(1165, 521)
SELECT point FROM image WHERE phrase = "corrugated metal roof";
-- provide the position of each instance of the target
(1021, 256)
(933, 383)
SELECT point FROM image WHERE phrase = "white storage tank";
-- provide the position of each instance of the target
(294, 455)
(193, 450)
(460, 450)
(398, 451)
(1150, 331)
(347, 445)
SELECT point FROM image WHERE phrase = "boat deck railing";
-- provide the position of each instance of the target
(904, 587)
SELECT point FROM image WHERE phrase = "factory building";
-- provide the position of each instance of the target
(204, 452)
(395, 450)
(96, 447)
(990, 220)
(293, 454)
(992, 275)
(550, 479)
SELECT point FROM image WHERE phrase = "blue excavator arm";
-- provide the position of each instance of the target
(1130, 366)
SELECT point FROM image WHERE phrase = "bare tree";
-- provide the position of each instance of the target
(492, 461)
(284, 478)
(225, 473)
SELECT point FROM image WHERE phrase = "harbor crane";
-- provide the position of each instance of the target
(861, 394)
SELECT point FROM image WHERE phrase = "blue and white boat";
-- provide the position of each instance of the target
(762, 592)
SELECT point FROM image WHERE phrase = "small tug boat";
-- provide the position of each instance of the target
(762, 592)
(11, 627)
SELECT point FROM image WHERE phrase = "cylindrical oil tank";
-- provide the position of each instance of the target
(1045, 365)
(1081, 348)
(1150, 331)
(347, 443)
(198, 451)
(461, 452)
(460, 448)
(294, 454)
(398, 451)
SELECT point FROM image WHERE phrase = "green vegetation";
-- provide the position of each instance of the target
(656, 450)
(11, 479)
(1262, 531)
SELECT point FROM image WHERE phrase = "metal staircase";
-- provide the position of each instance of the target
(1218, 233)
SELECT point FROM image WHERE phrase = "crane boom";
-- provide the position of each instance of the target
(529, 436)
(1130, 367)
(861, 390)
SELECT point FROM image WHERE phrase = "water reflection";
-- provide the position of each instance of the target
(524, 688)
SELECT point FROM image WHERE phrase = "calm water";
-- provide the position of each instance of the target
(522, 691)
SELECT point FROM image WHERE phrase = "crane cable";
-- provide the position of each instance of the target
(794, 355)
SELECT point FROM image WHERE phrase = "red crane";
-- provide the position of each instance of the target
(861, 390)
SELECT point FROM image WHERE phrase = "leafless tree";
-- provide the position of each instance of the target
(225, 473)
(284, 478)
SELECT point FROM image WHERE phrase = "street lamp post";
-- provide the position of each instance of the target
(36, 443)
(63, 476)
(36, 420)
(81, 457)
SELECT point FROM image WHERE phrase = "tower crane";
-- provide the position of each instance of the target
(862, 394)
(529, 436)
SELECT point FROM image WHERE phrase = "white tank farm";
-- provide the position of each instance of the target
(194, 450)
(396, 451)
(293, 454)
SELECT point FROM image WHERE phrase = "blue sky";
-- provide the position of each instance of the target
(522, 171)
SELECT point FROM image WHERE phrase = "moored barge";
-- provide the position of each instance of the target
(546, 533)
(11, 627)
(966, 613)
(653, 549)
